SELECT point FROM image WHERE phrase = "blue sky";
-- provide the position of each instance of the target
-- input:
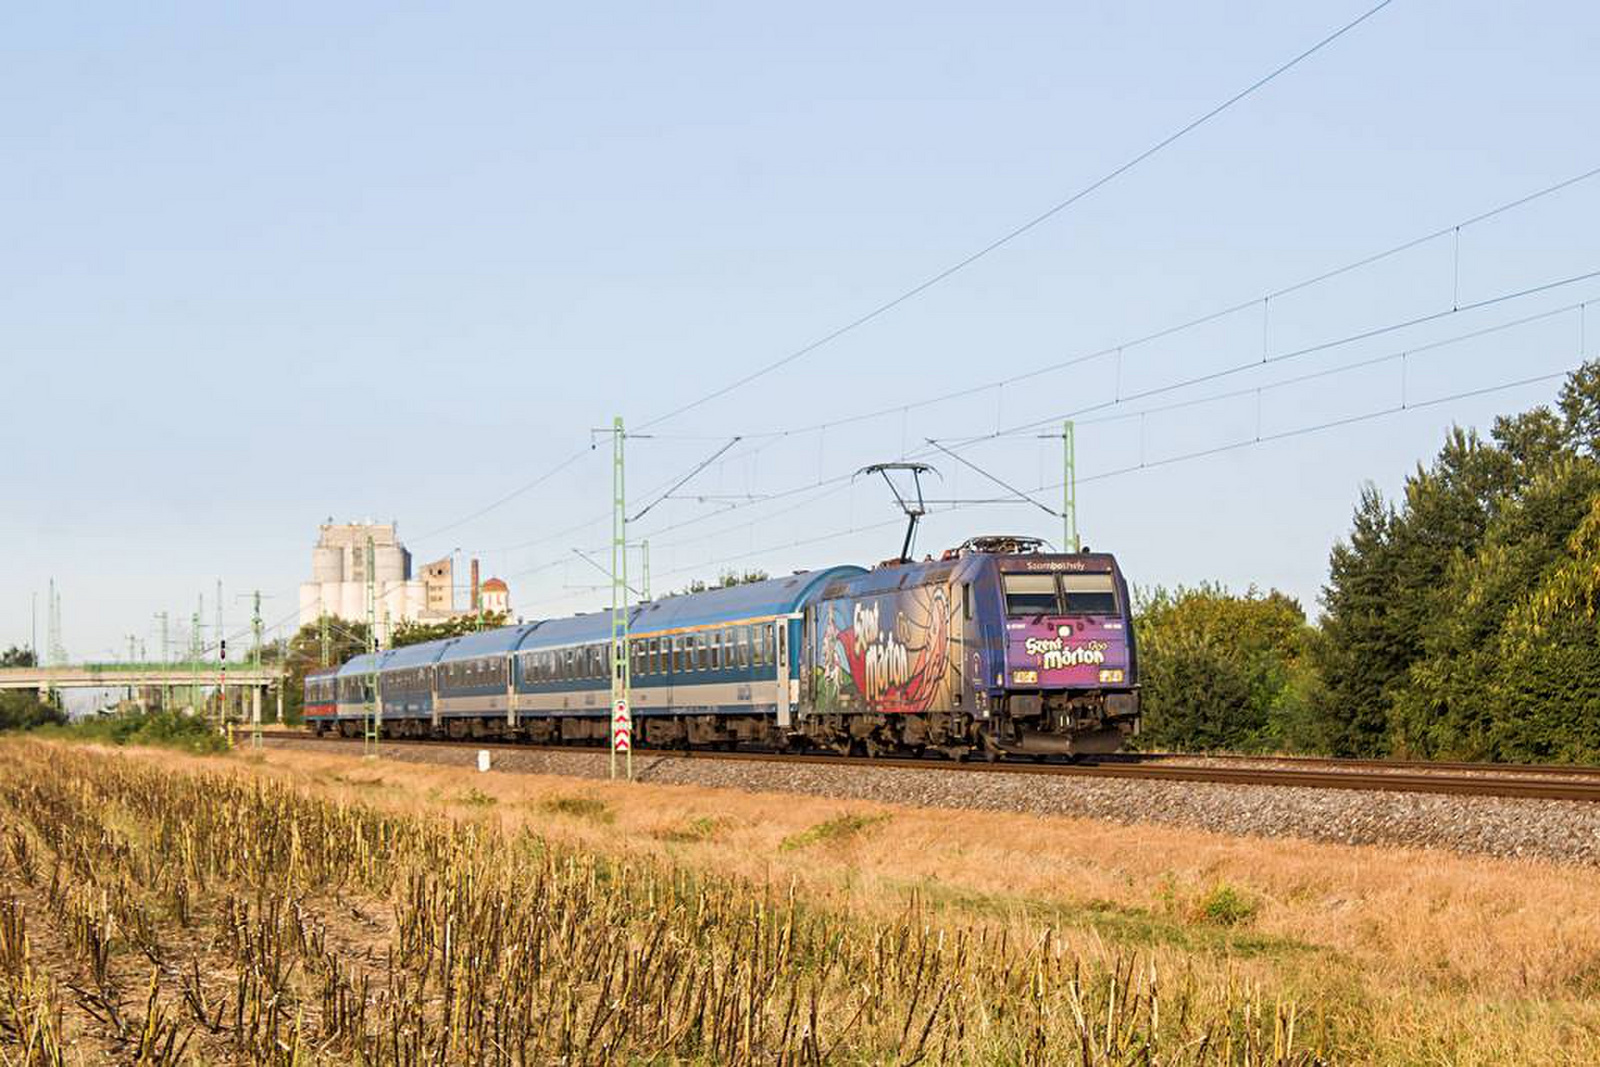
(266, 265)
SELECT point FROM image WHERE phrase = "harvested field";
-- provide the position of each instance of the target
(300, 907)
(1558, 830)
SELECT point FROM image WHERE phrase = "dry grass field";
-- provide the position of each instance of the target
(294, 907)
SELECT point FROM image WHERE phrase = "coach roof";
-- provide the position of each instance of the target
(495, 642)
(775, 596)
(362, 664)
(413, 655)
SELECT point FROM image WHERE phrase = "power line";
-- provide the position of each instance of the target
(769, 436)
(1301, 431)
(1254, 363)
(996, 479)
(681, 482)
(1189, 324)
(841, 482)
(1323, 346)
(1328, 372)
(1166, 461)
(540, 480)
(1018, 231)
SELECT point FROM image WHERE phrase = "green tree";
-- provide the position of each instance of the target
(18, 657)
(304, 654)
(1432, 640)
(416, 633)
(724, 580)
(1449, 705)
(1547, 686)
(1220, 671)
(1355, 653)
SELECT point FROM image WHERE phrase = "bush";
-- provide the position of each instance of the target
(23, 710)
(1222, 671)
(168, 729)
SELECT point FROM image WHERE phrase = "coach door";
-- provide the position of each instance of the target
(781, 660)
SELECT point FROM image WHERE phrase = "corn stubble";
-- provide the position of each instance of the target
(155, 918)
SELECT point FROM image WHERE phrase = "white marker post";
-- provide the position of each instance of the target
(622, 732)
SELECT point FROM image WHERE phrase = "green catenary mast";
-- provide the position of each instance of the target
(1069, 488)
(370, 735)
(621, 714)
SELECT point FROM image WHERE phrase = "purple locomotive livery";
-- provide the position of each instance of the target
(994, 648)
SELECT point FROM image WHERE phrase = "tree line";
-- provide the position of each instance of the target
(1458, 621)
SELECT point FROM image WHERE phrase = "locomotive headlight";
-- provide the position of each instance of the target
(1111, 676)
(1024, 677)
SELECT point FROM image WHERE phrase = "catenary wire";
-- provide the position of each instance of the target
(1018, 231)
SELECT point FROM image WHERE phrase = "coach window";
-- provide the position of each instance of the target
(744, 647)
(716, 649)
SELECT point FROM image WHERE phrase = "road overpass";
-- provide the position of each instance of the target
(137, 676)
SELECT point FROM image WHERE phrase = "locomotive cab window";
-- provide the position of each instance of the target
(1089, 594)
(1031, 594)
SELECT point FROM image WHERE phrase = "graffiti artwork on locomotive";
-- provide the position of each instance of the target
(996, 647)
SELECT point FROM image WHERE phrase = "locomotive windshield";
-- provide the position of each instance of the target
(1032, 594)
(1089, 594)
(1076, 594)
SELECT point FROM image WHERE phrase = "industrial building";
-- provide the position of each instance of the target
(338, 585)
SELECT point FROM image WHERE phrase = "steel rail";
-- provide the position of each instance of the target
(1365, 780)
(1576, 770)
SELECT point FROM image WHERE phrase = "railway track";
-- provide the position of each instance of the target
(1519, 781)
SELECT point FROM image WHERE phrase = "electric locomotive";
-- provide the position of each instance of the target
(995, 648)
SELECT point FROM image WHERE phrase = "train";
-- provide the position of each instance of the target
(995, 648)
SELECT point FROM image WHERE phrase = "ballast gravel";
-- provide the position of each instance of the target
(1558, 830)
